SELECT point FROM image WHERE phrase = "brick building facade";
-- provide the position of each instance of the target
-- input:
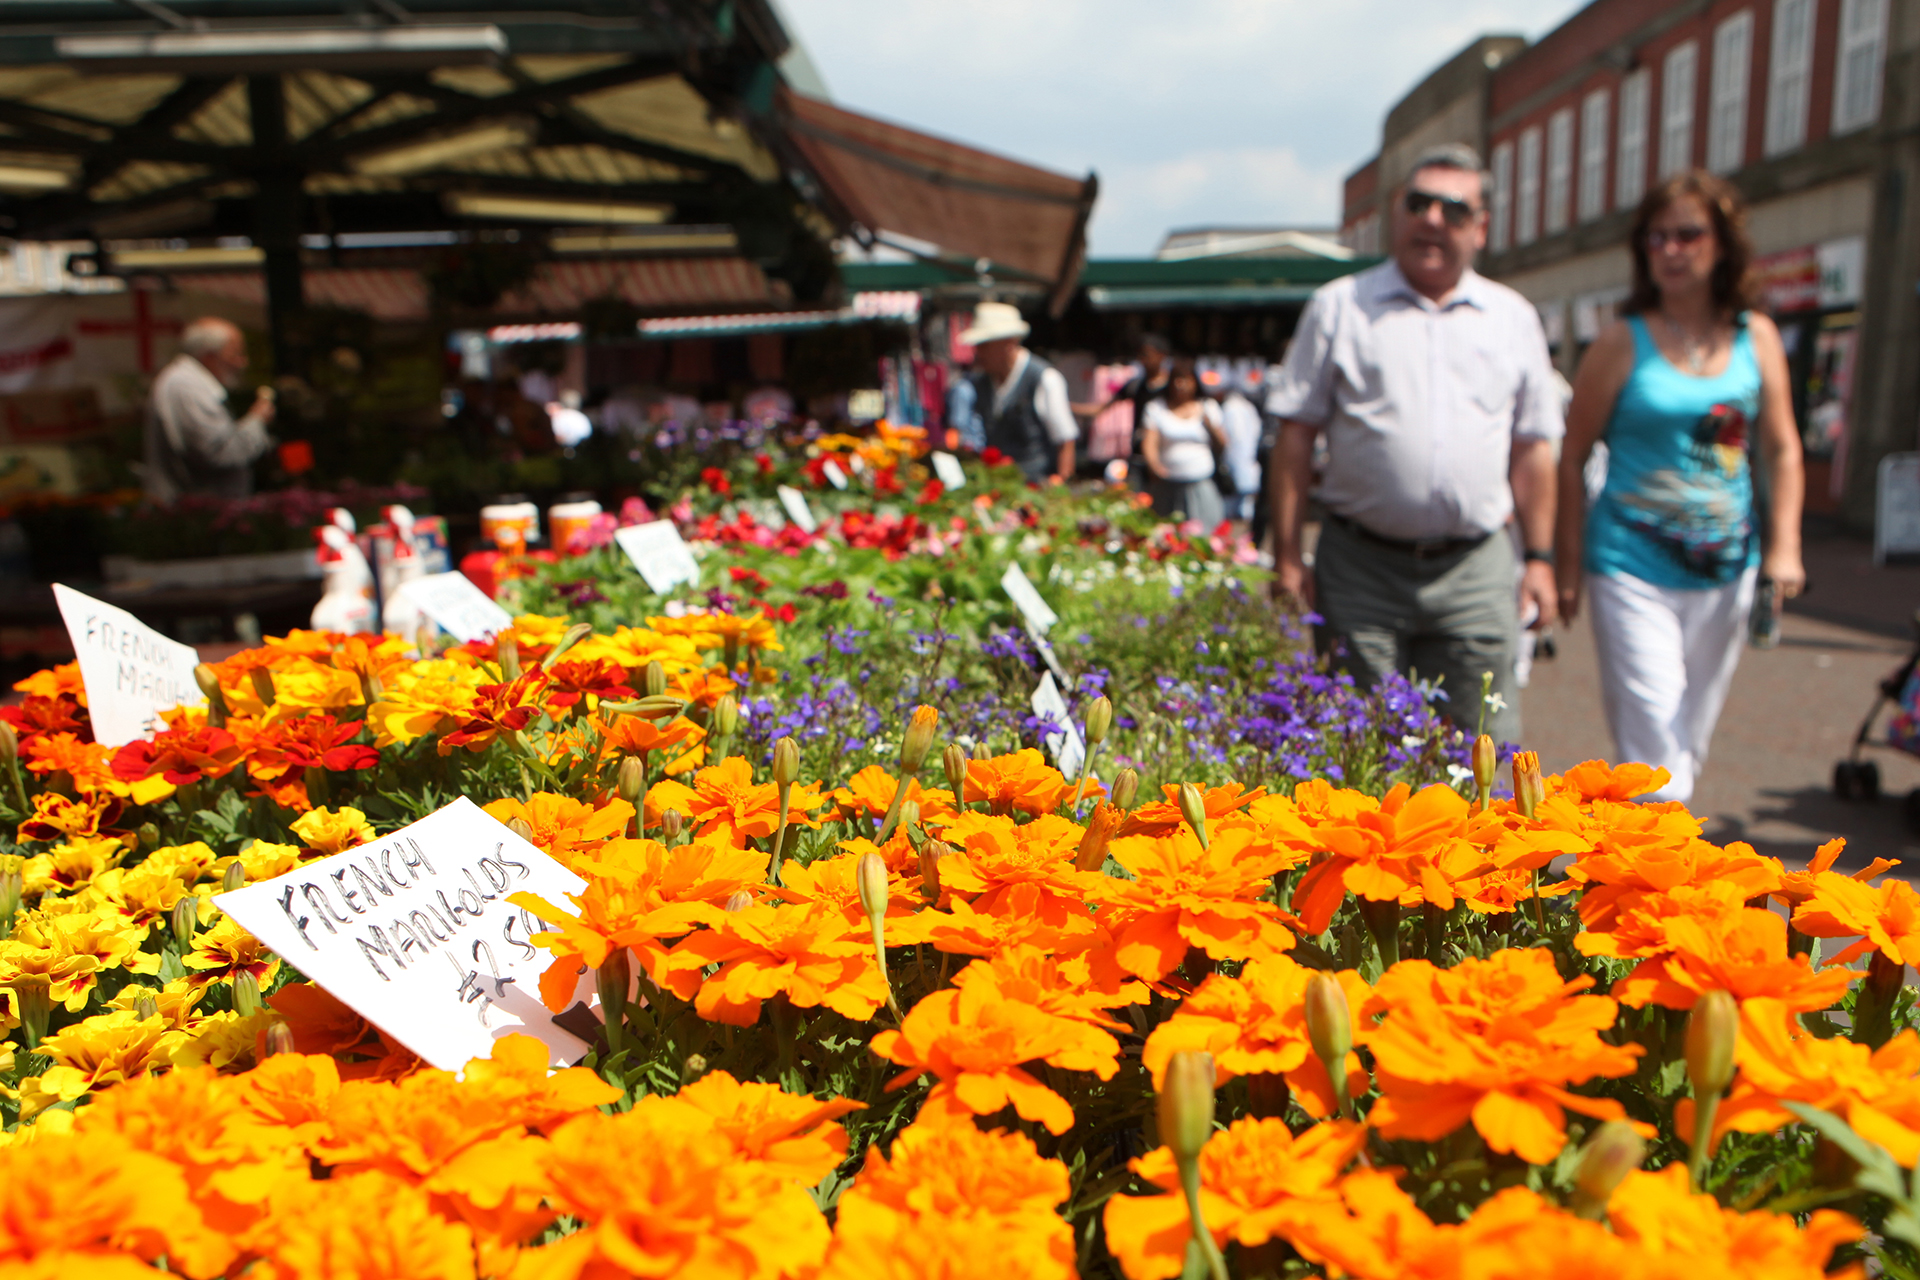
(1812, 107)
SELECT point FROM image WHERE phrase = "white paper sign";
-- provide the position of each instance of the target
(766, 514)
(132, 672)
(660, 554)
(1027, 599)
(1068, 747)
(835, 476)
(413, 931)
(461, 609)
(947, 470)
(797, 509)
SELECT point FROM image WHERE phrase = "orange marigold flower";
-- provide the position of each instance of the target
(564, 828)
(1258, 1182)
(634, 736)
(814, 954)
(639, 895)
(575, 679)
(1184, 896)
(1886, 917)
(992, 856)
(1694, 1236)
(685, 1203)
(975, 1040)
(1494, 1041)
(725, 803)
(1023, 781)
(953, 1203)
(1596, 780)
(1256, 1024)
(89, 764)
(1413, 848)
(1642, 850)
(788, 1132)
(869, 792)
(1798, 886)
(366, 1227)
(51, 682)
(1162, 817)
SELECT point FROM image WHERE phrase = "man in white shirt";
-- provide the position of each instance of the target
(193, 445)
(1022, 399)
(1435, 390)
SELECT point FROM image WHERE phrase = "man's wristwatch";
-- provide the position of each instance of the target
(1534, 553)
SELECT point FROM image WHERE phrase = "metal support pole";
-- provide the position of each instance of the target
(276, 218)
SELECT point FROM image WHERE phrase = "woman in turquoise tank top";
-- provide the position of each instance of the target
(1683, 391)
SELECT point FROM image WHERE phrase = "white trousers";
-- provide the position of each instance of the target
(1666, 660)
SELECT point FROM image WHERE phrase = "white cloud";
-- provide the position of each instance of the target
(1245, 110)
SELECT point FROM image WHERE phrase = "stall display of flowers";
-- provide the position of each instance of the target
(1284, 980)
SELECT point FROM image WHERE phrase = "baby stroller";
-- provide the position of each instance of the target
(1857, 779)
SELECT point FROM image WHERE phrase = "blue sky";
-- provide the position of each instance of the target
(1202, 112)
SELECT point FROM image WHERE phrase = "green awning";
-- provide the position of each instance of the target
(1226, 296)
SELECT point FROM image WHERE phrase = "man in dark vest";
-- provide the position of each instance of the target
(1022, 399)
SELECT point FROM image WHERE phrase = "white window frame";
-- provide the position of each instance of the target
(1593, 154)
(1858, 64)
(1630, 155)
(1500, 205)
(1789, 76)
(1727, 102)
(1679, 87)
(1526, 213)
(1559, 170)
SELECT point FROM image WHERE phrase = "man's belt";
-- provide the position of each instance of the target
(1419, 548)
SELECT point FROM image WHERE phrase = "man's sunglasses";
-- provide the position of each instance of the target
(1685, 237)
(1453, 210)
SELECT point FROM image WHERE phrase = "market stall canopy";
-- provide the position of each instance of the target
(978, 210)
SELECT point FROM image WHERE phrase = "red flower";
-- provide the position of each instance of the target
(932, 493)
(311, 742)
(784, 613)
(716, 479)
(994, 458)
(887, 480)
(751, 577)
(40, 717)
(499, 709)
(179, 757)
(765, 463)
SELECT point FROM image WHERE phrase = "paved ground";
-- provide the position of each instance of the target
(1792, 713)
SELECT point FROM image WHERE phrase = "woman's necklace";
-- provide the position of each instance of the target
(1695, 351)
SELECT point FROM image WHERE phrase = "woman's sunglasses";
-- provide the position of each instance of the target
(1680, 237)
(1453, 210)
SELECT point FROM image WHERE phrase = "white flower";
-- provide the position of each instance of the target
(1496, 703)
(1413, 742)
(1458, 773)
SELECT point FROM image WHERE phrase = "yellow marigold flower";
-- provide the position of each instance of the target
(331, 830)
(714, 630)
(264, 860)
(425, 698)
(1258, 1182)
(1256, 1024)
(107, 1048)
(224, 1041)
(42, 956)
(70, 866)
(306, 685)
(634, 647)
(953, 1203)
(177, 1003)
(225, 950)
(1495, 1042)
(365, 1227)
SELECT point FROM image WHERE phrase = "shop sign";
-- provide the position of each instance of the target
(1841, 263)
(1788, 281)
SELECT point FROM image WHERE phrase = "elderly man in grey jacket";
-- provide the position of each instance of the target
(193, 444)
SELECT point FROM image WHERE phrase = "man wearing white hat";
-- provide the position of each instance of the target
(1023, 399)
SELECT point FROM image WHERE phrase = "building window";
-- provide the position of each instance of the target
(1593, 155)
(1727, 113)
(1526, 215)
(1856, 81)
(1789, 70)
(1501, 230)
(1559, 169)
(1676, 108)
(1630, 176)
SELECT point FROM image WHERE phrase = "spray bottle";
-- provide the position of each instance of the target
(346, 603)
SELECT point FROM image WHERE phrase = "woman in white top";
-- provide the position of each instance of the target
(1183, 429)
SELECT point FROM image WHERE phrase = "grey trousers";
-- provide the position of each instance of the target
(1450, 618)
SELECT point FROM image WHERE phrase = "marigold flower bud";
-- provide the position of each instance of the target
(9, 744)
(786, 762)
(1528, 789)
(209, 681)
(146, 1007)
(909, 814)
(1486, 761)
(262, 684)
(246, 994)
(575, 634)
(12, 888)
(696, 1067)
(1713, 1032)
(955, 759)
(1193, 807)
(672, 823)
(186, 914)
(918, 740)
(930, 854)
(1329, 1021)
(1099, 721)
(726, 716)
(1613, 1152)
(1126, 785)
(507, 649)
(870, 873)
(738, 900)
(522, 828)
(280, 1039)
(981, 751)
(656, 680)
(33, 1005)
(1186, 1104)
(234, 877)
(630, 781)
(149, 834)
(1092, 854)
